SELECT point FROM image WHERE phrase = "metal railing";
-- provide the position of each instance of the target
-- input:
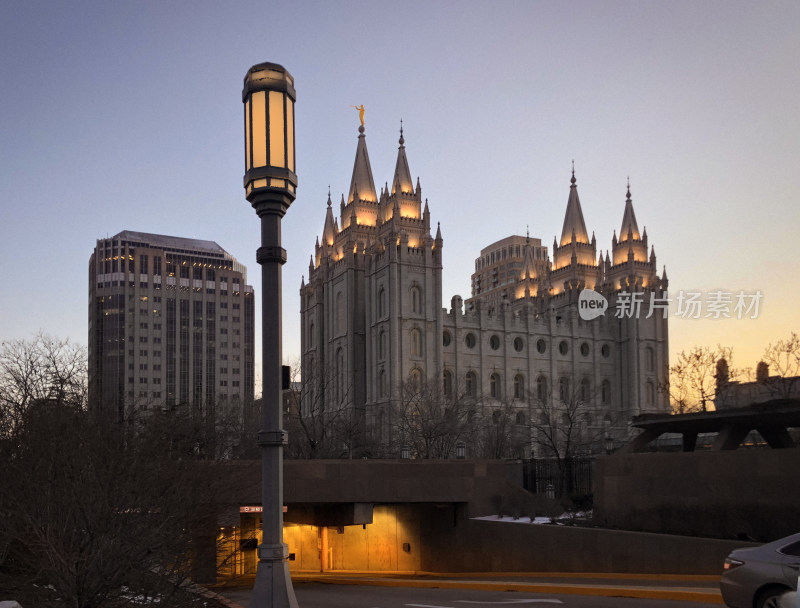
(558, 477)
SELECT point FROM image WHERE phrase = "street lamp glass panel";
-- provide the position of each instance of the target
(290, 133)
(259, 141)
(277, 153)
(248, 159)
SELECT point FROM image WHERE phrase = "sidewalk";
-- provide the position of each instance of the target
(697, 588)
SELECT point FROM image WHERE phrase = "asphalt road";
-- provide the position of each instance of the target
(320, 595)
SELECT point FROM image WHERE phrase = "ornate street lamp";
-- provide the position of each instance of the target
(270, 184)
(461, 450)
(608, 444)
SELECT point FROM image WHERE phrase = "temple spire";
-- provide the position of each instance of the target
(629, 225)
(329, 230)
(402, 175)
(573, 219)
(362, 182)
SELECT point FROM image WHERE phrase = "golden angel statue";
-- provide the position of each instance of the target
(360, 112)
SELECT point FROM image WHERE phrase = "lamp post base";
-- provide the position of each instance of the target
(273, 586)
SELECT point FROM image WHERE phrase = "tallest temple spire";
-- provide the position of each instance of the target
(362, 182)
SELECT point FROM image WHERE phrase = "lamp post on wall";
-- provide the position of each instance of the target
(270, 184)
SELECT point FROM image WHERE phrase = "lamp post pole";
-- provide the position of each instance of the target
(270, 184)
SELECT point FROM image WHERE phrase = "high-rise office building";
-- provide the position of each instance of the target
(171, 324)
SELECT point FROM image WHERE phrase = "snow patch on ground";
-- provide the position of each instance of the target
(561, 520)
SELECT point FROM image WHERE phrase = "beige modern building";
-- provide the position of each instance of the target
(502, 265)
(372, 316)
(170, 324)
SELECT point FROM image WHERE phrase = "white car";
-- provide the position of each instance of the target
(759, 577)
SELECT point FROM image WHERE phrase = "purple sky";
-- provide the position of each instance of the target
(128, 115)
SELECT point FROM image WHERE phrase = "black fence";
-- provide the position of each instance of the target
(558, 477)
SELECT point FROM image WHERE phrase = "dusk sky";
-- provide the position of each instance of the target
(128, 116)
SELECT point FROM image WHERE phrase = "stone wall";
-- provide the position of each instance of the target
(489, 546)
(747, 493)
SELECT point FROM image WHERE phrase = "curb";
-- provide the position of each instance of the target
(706, 597)
(706, 578)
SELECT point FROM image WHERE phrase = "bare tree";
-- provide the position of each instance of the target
(95, 514)
(224, 423)
(562, 428)
(698, 378)
(783, 358)
(41, 369)
(429, 422)
(320, 418)
(500, 432)
(562, 425)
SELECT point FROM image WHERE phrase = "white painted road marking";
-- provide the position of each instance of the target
(507, 602)
(504, 603)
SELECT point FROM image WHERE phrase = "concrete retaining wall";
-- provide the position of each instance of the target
(487, 546)
(751, 493)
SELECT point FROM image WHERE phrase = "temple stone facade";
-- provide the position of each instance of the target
(372, 316)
